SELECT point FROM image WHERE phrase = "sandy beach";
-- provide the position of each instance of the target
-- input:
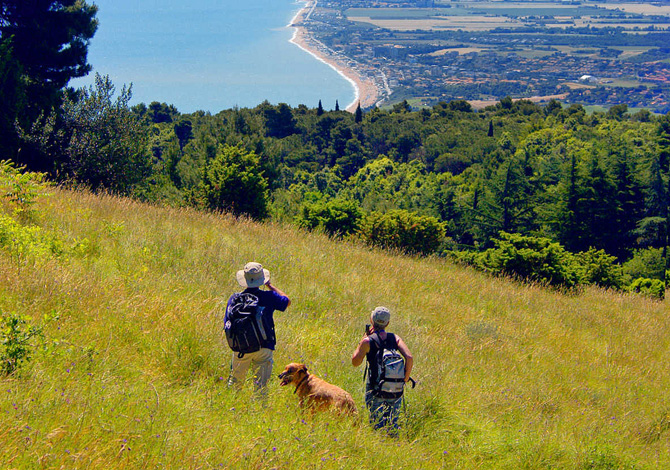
(366, 90)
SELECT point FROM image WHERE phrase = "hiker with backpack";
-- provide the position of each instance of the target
(388, 368)
(249, 326)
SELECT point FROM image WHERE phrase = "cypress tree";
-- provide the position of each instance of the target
(319, 110)
(337, 105)
(358, 116)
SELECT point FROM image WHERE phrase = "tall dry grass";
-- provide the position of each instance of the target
(132, 369)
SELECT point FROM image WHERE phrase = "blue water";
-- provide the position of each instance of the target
(209, 55)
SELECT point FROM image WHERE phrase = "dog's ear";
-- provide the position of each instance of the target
(302, 368)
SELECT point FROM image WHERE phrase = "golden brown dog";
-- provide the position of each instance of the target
(316, 393)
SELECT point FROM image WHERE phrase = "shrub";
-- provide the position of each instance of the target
(530, 258)
(20, 188)
(233, 181)
(335, 217)
(647, 263)
(16, 334)
(540, 259)
(598, 268)
(96, 139)
(403, 230)
(654, 288)
(26, 242)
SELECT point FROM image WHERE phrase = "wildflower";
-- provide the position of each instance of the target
(274, 449)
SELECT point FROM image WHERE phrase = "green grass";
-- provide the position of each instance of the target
(129, 374)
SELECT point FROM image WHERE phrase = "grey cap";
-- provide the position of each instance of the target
(380, 317)
(253, 275)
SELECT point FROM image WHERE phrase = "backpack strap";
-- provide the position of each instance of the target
(377, 341)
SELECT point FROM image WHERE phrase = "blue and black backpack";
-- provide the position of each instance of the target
(243, 324)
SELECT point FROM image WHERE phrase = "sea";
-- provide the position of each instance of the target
(210, 55)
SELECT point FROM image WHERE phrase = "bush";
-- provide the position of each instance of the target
(598, 268)
(16, 334)
(654, 288)
(27, 242)
(335, 217)
(233, 181)
(96, 139)
(647, 263)
(20, 188)
(403, 230)
(530, 258)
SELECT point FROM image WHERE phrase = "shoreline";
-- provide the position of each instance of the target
(365, 90)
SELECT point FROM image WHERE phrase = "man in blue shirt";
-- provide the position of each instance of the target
(252, 277)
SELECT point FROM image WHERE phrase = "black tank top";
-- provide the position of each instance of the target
(375, 341)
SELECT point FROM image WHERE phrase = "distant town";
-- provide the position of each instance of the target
(426, 51)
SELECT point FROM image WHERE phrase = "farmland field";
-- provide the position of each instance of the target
(475, 16)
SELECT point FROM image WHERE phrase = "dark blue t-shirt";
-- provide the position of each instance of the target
(271, 301)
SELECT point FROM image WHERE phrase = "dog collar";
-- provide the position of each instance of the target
(301, 382)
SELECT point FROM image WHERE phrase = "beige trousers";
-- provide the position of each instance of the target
(261, 364)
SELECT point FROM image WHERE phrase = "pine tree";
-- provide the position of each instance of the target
(50, 42)
(664, 161)
(597, 206)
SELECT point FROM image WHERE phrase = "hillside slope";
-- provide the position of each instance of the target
(130, 371)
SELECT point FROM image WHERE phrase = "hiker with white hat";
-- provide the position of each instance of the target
(388, 368)
(249, 326)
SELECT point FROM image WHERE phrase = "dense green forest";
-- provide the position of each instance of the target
(443, 180)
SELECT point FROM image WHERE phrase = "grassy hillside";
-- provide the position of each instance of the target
(130, 369)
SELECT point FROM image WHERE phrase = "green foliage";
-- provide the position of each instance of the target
(598, 268)
(161, 112)
(12, 97)
(20, 188)
(336, 216)
(25, 243)
(233, 181)
(647, 262)
(96, 140)
(403, 230)
(16, 334)
(539, 259)
(19, 191)
(654, 288)
(529, 258)
(279, 120)
(50, 43)
(105, 143)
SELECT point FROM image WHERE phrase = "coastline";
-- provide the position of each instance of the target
(366, 91)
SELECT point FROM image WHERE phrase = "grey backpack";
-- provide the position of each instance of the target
(388, 380)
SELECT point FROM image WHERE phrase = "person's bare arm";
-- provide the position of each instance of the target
(362, 349)
(409, 359)
(278, 291)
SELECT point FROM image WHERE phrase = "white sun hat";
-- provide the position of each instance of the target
(253, 275)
